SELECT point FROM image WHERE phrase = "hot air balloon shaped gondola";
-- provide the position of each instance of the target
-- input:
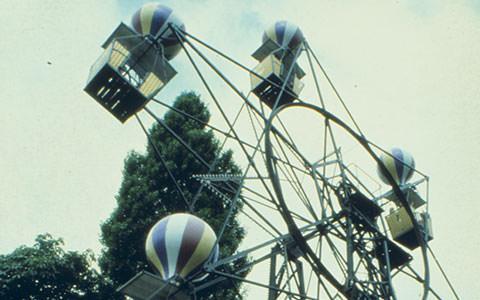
(277, 65)
(134, 66)
(155, 22)
(401, 166)
(179, 245)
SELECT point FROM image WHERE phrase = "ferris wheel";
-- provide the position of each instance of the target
(322, 226)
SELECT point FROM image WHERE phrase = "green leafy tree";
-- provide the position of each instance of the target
(46, 271)
(147, 194)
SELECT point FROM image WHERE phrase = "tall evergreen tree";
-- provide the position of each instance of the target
(148, 194)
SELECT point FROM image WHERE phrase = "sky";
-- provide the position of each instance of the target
(408, 70)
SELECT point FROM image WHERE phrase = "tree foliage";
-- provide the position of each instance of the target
(147, 193)
(46, 271)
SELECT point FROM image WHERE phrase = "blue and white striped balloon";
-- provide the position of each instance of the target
(153, 19)
(180, 244)
(400, 164)
(285, 34)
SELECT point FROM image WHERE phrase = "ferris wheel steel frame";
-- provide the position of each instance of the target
(288, 217)
(297, 237)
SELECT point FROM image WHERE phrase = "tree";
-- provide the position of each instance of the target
(46, 271)
(147, 193)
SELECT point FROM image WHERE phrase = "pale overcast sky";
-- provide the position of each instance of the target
(409, 71)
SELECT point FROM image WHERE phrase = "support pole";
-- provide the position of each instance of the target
(272, 293)
(301, 279)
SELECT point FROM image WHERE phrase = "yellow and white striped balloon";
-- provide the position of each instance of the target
(399, 164)
(154, 20)
(180, 244)
(285, 34)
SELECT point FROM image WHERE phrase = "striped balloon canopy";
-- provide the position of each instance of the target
(285, 34)
(399, 164)
(153, 19)
(180, 244)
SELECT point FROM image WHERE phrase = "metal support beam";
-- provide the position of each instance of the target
(272, 293)
(301, 279)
